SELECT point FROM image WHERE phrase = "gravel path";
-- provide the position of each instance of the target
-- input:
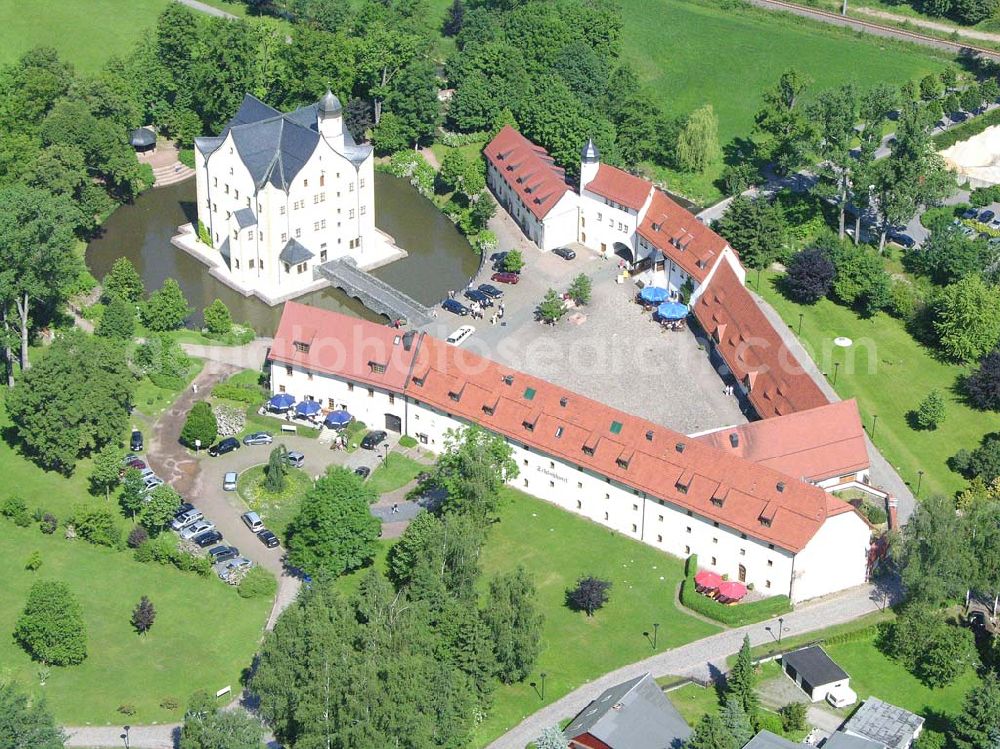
(704, 659)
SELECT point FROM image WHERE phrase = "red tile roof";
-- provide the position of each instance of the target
(626, 448)
(322, 341)
(528, 169)
(614, 184)
(681, 237)
(813, 445)
(753, 349)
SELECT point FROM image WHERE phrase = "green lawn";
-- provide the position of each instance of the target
(692, 53)
(889, 373)
(557, 548)
(204, 634)
(398, 472)
(692, 701)
(152, 399)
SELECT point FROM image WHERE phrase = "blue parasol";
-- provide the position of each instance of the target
(672, 311)
(281, 401)
(654, 294)
(308, 408)
(338, 419)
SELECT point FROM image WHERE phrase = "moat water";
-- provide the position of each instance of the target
(440, 258)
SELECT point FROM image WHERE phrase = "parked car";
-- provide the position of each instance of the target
(903, 240)
(478, 297)
(363, 471)
(137, 464)
(152, 482)
(184, 519)
(224, 446)
(207, 538)
(146, 473)
(455, 307)
(373, 439)
(136, 442)
(986, 216)
(183, 507)
(227, 568)
(229, 481)
(196, 529)
(223, 553)
(253, 521)
(498, 258)
(969, 213)
(258, 438)
(296, 459)
(564, 252)
(456, 338)
(268, 539)
(506, 277)
(491, 291)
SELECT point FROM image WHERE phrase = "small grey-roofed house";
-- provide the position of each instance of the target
(632, 715)
(768, 740)
(814, 672)
(841, 740)
(890, 725)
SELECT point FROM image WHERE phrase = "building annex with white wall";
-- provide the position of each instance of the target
(280, 193)
(673, 492)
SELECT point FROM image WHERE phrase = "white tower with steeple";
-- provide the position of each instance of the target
(330, 120)
(590, 162)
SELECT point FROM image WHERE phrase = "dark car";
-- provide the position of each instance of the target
(207, 538)
(564, 252)
(491, 291)
(182, 508)
(903, 240)
(455, 307)
(225, 446)
(268, 539)
(223, 553)
(498, 259)
(987, 216)
(506, 277)
(969, 213)
(373, 439)
(479, 297)
(363, 471)
(136, 442)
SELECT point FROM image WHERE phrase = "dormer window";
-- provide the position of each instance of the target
(454, 396)
(488, 409)
(649, 435)
(508, 379)
(301, 347)
(766, 522)
(622, 463)
(563, 401)
(376, 367)
(781, 486)
(530, 426)
(679, 447)
(588, 450)
(684, 482)
(419, 380)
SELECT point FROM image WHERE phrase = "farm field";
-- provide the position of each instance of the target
(666, 42)
(889, 373)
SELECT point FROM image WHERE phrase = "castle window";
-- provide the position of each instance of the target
(305, 183)
(361, 183)
(350, 387)
(236, 263)
(284, 236)
(288, 371)
(350, 213)
(322, 223)
(281, 210)
(288, 268)
(322, 256)
(315, 225)
(362, 209)
(251, 262)
(301, 268)
(350, 187)
(250, 234)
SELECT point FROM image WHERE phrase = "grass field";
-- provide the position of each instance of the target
(558, 548)
(889, 373)
(85, 32)
(276, 510)
(689, 54)
(398, 472)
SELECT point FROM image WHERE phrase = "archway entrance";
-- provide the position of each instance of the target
(624, 252)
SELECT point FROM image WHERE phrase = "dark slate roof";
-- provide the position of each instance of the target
(294, 253)
(768, 740)
(635, 714)
(142, 136)
(841, 740)
(885, 723)
(330, 104)
(814, 665)
(244, 218)
(225, 252)
(274, 146)
(589, 153)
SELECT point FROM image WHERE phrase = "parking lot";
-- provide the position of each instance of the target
(618, 355)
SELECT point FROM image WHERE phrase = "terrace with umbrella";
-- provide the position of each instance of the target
(337, 419)
(672, 314)
(281, 402)
(307, 409)
(653, 295)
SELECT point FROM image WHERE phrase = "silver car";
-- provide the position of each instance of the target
(195, 528)
(186, 518)
(225, 570)
(258, 438)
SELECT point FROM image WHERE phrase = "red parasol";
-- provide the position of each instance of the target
(732, 590)
(708, 579)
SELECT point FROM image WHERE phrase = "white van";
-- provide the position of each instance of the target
(229, 481)
(253, 521)
(456, 338)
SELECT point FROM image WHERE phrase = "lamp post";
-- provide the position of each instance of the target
(920, 478)
(758, 280)
(836, 371)
(543, 675)
(124, 736)
(656, 629)
(799, 333)
(781, 626)
(385, 458)
(874, 422)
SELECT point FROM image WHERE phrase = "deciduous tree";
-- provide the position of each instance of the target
(143, 616)
(158, 510)
(551, 738)
(118, 320)
(514, 623)
(967, 319)
(25, 722)
(334, 532)
(589, 594)
(133, 491)
(166, 308)
(934, 556)
(51, 627)
(552, 308)
(983, 385)
(580, 289)
(220, 729)
(810, 275)
(217, 318)
(107, 465)
(200, 427)
(472, 469)
(785, 130)
(124, 282)
(698, 142)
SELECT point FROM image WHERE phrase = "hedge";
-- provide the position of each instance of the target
(966, 130)
(732, 616)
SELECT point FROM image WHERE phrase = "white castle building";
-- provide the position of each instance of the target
(279, 194)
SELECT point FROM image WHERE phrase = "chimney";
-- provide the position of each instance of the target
(734, 440)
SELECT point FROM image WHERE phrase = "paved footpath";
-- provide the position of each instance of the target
(704, 659)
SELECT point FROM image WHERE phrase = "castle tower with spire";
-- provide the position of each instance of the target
(590, 162)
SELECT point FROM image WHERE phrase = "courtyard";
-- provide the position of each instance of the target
(618, 355)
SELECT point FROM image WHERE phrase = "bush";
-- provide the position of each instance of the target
(810, 275)
(691, 566)
(218, 320)
(166, 308)
(258, 583)
(873, 513)
(170, 703)
(454, 140)
(203, 236)
(127, 709)
(931, 411)
(48, 524)
(768, 721)
(966, 130)
(97, 524)
(733, 616)
(34, 561)
(14, 508)
(200, 426)
(239, 393)
(793, 716)
(144, 552)
(137, 537)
